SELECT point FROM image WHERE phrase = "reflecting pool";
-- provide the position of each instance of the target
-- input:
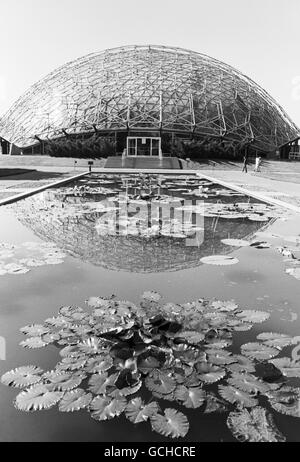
(216, 257)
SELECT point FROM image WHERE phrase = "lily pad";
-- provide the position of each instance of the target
(36, 398)
(256, 426)
(192, 337)
(215, 404)
(105, 408)
(173, 423)
(235, 242)
(275, 340)
(33, 342)
(248, 383)
(22, 376)
(259, 351)
(286, 400)
(241, 364)
(236, 396)
(160, 382)
(63, 381)
(75, 400)
(99, 383)
(151, 296)
(209, 373)
(287, 366)
(253, 316)
(225, 306)
(190, 397)
(219, 260)
(136, 411)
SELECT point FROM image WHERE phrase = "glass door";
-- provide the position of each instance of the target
(155, 144)
(131, 146)
(143, 146)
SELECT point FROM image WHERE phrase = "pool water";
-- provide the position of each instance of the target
(100, 258)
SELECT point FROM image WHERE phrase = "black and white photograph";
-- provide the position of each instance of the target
(150, 224)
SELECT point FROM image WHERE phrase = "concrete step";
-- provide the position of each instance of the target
(143, 162)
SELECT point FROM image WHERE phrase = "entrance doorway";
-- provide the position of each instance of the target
(143, 146)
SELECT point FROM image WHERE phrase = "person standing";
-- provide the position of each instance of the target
(257, 164)
(245, 163)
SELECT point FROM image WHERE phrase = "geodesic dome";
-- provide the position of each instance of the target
(149, 88)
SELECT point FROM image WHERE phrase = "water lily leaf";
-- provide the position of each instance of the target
(148, 364)
(192, 337)
(260, 244)
(100, 383)
(255, 426)
(258, 351)
(63, 381)
(160, 382)
(70, 351)
(220, 260)
(235, 242)
(165, 396)
(98, 364)
(173, 423)
(75, 400)
(33, 342)
(22, 376)
(72, 364)
(275, 340)
(215, 404)
(171, 309)
(224, 305)
(136, 411)
(14, 268)
(209, 373)
(241, 364)
(57, 321)
(219, 357)
(190, 397)
(151, 296)
(33, 262)
(99, 302)
(286, 400)
(91, 346)
(253, 316)
(237, 396)
(126, 391)
(242, 327)
(68, 311)
(219, 344)
(35, 330)
(248, 383)
(36, 398)
(105, 408)
(287, 366)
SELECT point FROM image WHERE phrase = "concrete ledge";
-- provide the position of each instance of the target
(155, 171)
(32, 192)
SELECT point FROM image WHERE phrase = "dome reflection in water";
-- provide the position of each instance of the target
(143, 223)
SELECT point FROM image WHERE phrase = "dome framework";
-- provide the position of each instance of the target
(148, 91)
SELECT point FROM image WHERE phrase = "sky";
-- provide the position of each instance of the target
(261, 38)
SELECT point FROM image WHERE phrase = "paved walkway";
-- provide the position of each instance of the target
(283, 190)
